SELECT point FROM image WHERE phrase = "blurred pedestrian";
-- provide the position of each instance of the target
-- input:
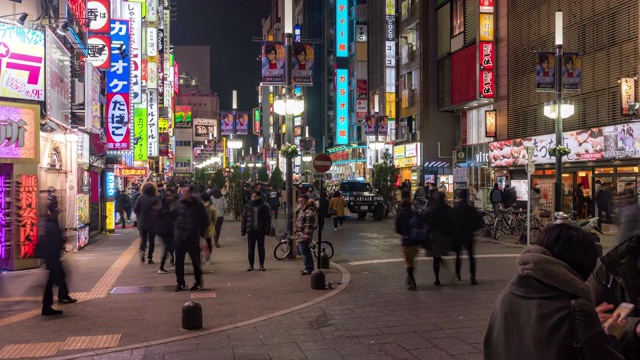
(604, 198)
(323, 209)
(629, 214)
(442, 230)
(219, 203)
(132, 203)
(536, 196)
(147, 208)
(413, 234)
(508, 197)
(122, 200)
(305, 223)
(166, 229)
(468, 220)
(495, 196)
(274, 201)
(256, 224)
(49, 248)
(337, 206)
(211, 228)
(191, 224)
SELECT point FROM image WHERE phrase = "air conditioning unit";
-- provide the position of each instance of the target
(77, 92)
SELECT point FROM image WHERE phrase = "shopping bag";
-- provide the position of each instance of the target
(205, 248)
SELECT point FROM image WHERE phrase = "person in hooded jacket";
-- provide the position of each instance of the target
(147, 209)
(468, 220)
(535, 316)
(255, 224)
(217, 199)
(615, 280)
(305, 223)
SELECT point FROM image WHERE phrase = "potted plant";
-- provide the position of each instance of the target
(289, 151)
(559, 150)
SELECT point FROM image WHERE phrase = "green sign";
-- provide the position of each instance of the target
(256, 114)
(140, 148)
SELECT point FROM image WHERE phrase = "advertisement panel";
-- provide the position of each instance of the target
(204, 129)
(163, 144)
(110, 183)
(487, 84)
(140, 130)
(226, 123)
(98, 13)
(58, 75)
(571, 72)
(21, 63)
(361, 109)
(152, 122)
(486, 27)
(117, 122)
(302, 64)
(92, 97)
(390, 105)
(490, 123)
(152, 41)
(383, 125)
(545, 72)
(342, 28)
(622, 141)
(627, 93)
(256, 121)
(182, 117)
(20, 135)
(99, 51)
(242, 123)
(132, 11)
(111, 213)
(361, 89)
(273, 63)
(342, 108)
(27, 215)
(370, 125)
(118, 76)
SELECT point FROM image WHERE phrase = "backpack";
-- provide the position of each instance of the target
(417, 229)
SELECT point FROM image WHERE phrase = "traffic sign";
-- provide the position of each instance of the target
(321, 176)
(322, 163)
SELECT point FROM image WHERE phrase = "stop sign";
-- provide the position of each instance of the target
(322, 163)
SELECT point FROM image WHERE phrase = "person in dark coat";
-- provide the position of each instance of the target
(49, 248)
(146, 209)
(256, 224)
(274, 201)
(508, 197)
(132, 202)
(410, 246)
(191, 224)
(166, 228)
(604, 199)
(122, 201)
(442, 230)
(468, 220)
(615, 280)
(323, 210)
(548, 297)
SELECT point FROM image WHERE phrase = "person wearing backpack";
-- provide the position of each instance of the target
(413, 232)
(468, 220)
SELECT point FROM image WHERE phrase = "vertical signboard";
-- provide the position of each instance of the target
(92, 80)
(390, 47)
(342, 21)
(152, 121)
(27, 210)
(99, 51)
(342, 108)
(21, 63)
(58, 75)
(98, 13)
(118, 80)
(132, 11)
(485, 47)
(627, 94)
(167, 69)
(490, 123)
(140, 148)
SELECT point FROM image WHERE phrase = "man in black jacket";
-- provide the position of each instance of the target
(256, 224)
(146, 209)
(468, 220)
(191, 224)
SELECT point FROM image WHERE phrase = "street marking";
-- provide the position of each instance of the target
(23, 298)
(105, 341)
(370, 235)
(77, 343)
(29, 350)
(203, 295)
(381, 261)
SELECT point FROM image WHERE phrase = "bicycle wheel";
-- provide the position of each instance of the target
(328, 248)
(497, 228)
(282, 251)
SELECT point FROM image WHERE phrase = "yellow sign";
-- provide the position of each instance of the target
(127, 172)
(486, 27)
(110, 215)
(163, 125)
(398, 151)
(390, 105)
(406, 162)
(391, 7)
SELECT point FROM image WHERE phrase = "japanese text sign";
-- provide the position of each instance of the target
(19, 133)
(99, 50)
(627, 93)
(152, 122)
(110, 183)
(27, 208)
(21, 63)
(182, 117)
(204, 129)
(132, 11)
(98, 13)
(342, 107)
(487, 55)
(490, 123)
(342, 28)
(58, 75)
(92, 82)
(4, 242)
(140, 131)
(118, 77)
(486, 27)
(117, 122)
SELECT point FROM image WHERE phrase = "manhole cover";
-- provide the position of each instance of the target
(131, 290)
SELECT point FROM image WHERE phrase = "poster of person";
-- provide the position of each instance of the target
(273, 63)
(369, 125)
(226, 123)
(571, 72)
(383, 125)
(622, 141)
(545, 72)
(242, 123)
(302, 64)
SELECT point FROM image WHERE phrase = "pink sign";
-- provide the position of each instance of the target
(19, 132)
(21, 63)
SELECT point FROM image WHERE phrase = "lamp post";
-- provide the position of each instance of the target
(376, 145)
(234, 143)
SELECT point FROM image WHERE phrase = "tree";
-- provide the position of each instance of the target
(201, 176)
(384, 177)
(246, 174)
(217, 179)
(235, 191)
(263, 175)
(276, 179)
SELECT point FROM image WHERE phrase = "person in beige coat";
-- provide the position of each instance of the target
(535, 316)
(211, 229)
(337, 205)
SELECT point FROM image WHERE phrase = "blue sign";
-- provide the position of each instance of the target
(297, 33)
(342, 106)
(111, 184)
(119, 75)
(342, 20)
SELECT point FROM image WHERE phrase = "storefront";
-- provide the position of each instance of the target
(610, 154)
(349, 162)
(473, 162)
(408, 159)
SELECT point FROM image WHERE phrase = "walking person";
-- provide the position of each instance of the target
(305, 223)
(132, 203)
(274, 201)
(166, 229)
(211, 228)
(442, 230)
(604, 199)
(255, 224)
(536, 196)
(49, 248)
(495, 196)
(323, 209)
(413, 233)
(218, 201)
(468, 221)
(191, 224)
(337, 204)
(146, 209)
(122, 200)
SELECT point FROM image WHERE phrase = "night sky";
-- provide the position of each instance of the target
(228, 26)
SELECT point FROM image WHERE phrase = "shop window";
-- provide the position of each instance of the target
(604, 170)
(457, 22)
(627, 169)
(539, 172)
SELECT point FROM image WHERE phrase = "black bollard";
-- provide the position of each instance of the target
(191, 316)
(318, 280)
(323, 262)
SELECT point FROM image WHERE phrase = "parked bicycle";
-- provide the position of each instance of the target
(391, 207)
(283, 249)
(488, 220)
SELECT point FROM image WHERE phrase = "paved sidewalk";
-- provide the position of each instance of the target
(125, 302)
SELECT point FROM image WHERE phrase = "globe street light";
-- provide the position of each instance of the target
(306, 157)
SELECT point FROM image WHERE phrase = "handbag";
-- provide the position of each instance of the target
(333, 212)
(576, 337)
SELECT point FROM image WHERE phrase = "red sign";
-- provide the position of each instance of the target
(98, 13)
(361, 89)
(487, 55)
(339, 155)
(78, 8)
(28, 215)
(176, 77)
(117, 122)
(322, 163)
(99, 48)
(487, 84)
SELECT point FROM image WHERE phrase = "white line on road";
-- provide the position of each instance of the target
(380, 261)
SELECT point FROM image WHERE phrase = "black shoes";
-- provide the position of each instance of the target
(67, 300)
(458, 277)
(436, 283)
(250, 268)
(181, 288)
(141, 257)
(474, 281)
(48, 311)
(262, 268)
(150, 262)
(195, 287)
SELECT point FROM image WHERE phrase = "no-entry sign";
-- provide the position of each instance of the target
(322, 163)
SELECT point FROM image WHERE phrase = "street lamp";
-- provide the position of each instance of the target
(377, 144)
(558, 109)
(233, 142)
(306, 157)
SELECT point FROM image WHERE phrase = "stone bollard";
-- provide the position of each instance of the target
(318, 280)
(191, 316)
(324, 260)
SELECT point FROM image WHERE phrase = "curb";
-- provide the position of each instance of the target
(346, 279)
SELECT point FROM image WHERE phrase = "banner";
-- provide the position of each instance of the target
(20, 135)
(132, 11)
(226, 123)
(152, 122)
(204, 129)
(242, 123)
(302, 65)
(370, 125)
(545, 72)
(273, 63)
(571, 72)
(58, 75)
(98, 13)
(117, 123)
(342, 107)
(383, 125)
(140, 131)
(163, 149)
(92, 87)
(627, 94)
(490, 123)
(21, 63)
(182, 117)
(622, 141)
(342, 28)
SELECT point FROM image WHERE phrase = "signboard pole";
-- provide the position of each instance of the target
(320, 228)
(530, 169)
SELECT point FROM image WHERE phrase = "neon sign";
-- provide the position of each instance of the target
(342, 112)
(28, 215)
(110, 210)
(3, 217)
(341, 28)
(78, 9)
(111, 184)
